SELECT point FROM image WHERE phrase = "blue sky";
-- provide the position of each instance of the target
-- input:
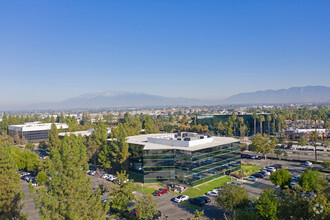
(53, 50)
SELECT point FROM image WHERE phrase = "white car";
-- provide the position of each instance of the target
(308, 163)
(180, 199)
(265, 172)
(212, 193)
(251, 178)
(92, 172)
(106, 176)
(295, 178)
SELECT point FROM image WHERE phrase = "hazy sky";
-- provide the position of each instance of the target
(52, 50)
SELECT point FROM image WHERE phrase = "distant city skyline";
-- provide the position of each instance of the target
(54, 50)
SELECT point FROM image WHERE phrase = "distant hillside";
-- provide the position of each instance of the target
(307, 94)
(111, 99)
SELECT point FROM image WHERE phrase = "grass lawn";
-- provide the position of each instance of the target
(147, 187)
(249, 170)
(204, 188)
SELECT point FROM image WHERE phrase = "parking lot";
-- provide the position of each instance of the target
(171, 210)
(255, 188)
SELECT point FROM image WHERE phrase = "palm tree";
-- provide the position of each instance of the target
(255, 116)
(274, 122)
(241, 122)
(261, 119)
(233, 117)
(294, 119)
(269, 118)
(314, 137)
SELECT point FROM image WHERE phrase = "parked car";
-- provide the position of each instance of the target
(160, 191)
(235, 183)
(251, 178)
(295, 178)
(213, 171)
(261, 157)
(258, 175)
(212, 193)
(197, 201)
(254, 157)
(308, 163)
(273, 169)
(264, 172)
(278, 166)
(133, 212)
(91, 172)
(181, 198)
(207, 199)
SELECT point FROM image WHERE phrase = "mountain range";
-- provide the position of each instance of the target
(110, 99)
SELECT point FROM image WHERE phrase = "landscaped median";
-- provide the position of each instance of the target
(247, 170)
(191, 191)
(205, 187)
(148, 188)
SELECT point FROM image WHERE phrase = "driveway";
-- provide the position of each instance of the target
(29, 207)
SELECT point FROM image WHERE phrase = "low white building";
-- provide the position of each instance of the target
(34, 132)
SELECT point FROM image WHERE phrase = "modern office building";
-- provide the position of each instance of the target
(185, 157)
(34, 132)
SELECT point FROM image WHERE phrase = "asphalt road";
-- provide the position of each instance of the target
(29, 207)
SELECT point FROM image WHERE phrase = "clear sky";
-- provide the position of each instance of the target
(53, 50)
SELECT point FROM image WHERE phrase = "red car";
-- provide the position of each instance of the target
(133, 212)
(160, 191)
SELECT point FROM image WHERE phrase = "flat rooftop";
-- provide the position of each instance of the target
(151, 145)
(36, 126)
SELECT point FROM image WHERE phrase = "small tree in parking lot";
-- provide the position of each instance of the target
(121, 192)
(312, 180)
(267, 205)
(281, 178)
(232, 197)
(146, 206)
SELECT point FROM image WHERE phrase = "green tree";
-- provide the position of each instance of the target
(267, 205)
(29, 146)
(198, 215)
(269, 119)
(255, 116)
(232, 197)
(6, 140)
(41, 178)
(4, 124)
(261, 119)
(262, 144)
(114, 154)
(302, 141)
(53, 135)
(325, 164)
(312, 180)
(314, 138)
(68, 195)
(281, 177)
(121, 192)
(147, 206)
(10, 195)
(100, 133)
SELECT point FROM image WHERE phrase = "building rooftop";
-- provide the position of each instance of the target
(37, 126)
(170, 141)
(82, 133)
